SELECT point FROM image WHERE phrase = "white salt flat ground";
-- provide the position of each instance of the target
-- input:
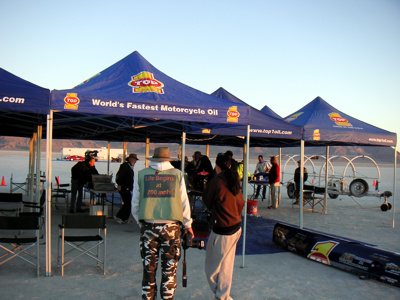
(271, 276)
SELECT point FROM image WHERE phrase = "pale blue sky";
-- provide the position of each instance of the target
(277, 53)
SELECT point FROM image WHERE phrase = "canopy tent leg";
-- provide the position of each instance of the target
(38, 159)
(49, 149)
(108, 157)
(183, 153)
(301, 183)
(326, 181)
(32, 166)
(244, 189)
(31, 170)
(124, 151)
(146, 163)
(394, 183)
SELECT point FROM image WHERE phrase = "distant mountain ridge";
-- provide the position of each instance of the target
(379, 154)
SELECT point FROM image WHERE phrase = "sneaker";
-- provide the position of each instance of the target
(297, 202)
(119, 221)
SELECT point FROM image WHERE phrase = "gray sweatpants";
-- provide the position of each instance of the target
(220, 259)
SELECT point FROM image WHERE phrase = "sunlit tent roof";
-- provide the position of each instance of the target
(325, 125)
(23, 105)
(134, 88)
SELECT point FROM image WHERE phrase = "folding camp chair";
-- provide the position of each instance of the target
(78, 244)
(36, 210)
(311, 198)
(60, 192)
(18, 235)
(10, 204)
(15, 186)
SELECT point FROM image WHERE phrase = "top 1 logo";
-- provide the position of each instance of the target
(144, 82)
(335, 117)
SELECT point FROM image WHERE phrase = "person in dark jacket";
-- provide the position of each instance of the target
(125, 179)
(224, 199)
(81, 174)
(202, 172)
(274, 176)
(297, 181)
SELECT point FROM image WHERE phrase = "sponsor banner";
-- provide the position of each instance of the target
(349, 255)
(271, 131)
(73, 102)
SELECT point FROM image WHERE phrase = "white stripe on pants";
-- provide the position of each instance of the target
(220, 259)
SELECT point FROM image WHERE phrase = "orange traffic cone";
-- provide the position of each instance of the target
(3, 182)
(58, 180)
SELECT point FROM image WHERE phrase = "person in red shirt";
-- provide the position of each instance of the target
(274, 182)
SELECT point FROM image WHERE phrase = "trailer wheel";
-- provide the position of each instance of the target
(358, 188)
(290, 190)
(333, 196)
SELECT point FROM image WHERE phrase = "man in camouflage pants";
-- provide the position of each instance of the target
(160, 205)
(166, 239)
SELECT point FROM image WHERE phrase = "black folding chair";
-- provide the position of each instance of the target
(10, 204)
(312, 198)
(18, 235)
(60, 192)
(73, 242)
(36, 210)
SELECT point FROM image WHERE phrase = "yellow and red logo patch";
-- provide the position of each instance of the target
(293, 117)
(71, 101)
(233, 114)
(316, 135)
(144, 82)
(321, 250)
(335, 117)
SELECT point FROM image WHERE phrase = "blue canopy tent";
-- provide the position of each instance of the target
(133, 87)
(23, 105)
(23, 110)
(132, 99)
(324, 125)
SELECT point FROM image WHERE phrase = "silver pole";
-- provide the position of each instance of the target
(244, 189)
(49, 147)
(301, 184)
(394, 183)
